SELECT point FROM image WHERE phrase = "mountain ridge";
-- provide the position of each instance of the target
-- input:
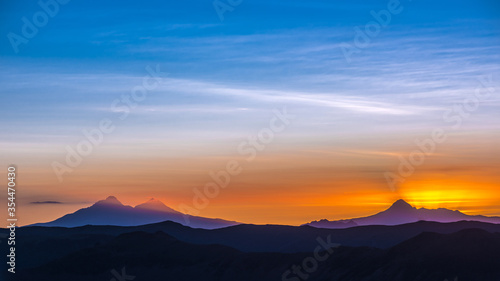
(468, 252)
(401, 212)
(111, 211)
(155, 204)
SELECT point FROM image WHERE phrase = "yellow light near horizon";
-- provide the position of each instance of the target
(433, 195)
(435, 198)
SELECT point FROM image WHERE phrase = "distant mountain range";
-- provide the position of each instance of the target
(400, 213)
(112, 212)
(421, 251)
(253, 238)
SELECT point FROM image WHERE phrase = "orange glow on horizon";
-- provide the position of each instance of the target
(459, 194)
(279, 187)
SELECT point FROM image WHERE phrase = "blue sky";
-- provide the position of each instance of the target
(225, 77)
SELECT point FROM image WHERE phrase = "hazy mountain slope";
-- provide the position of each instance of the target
(112, 212)
(400, 213)
(470, 254)
(254, 238)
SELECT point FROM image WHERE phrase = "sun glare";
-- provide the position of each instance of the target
(441, 195)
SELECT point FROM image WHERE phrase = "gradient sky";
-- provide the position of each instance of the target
(224, 79)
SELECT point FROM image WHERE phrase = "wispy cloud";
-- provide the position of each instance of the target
(46, 202)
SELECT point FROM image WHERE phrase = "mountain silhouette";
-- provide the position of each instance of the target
(400, 213)
(110, 201)
(156, 205)
(111, 211)
(468, 254)
(243, 237)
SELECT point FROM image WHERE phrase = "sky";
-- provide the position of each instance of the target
(319, 103)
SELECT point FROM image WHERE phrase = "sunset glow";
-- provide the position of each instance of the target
(155, 102)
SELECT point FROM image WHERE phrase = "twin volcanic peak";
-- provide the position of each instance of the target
(110, 201)
(401, 213)
(156, 205)
(112, 212)
(152, 204)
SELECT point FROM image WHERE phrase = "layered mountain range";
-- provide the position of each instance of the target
(151, 241)
(400, 213)
(421, 251)
(112, 212)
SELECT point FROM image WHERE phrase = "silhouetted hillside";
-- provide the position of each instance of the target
(266, 238)
(112, 212)
(470, 254)
(400, 213)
